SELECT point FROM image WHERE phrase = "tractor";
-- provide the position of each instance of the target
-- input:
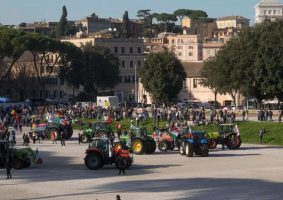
(194, 143)
(137, 141)
(21, 157)
(100, 153)
(57, 126)
(100, 128)
(169, 140)
(228, 135)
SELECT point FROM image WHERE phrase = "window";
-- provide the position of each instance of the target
(122, 49)
(120, 79)
(185, 84)
(179, 54)
(139, 49)
(61, 94)
(61, 81)
(131, 49)
(139, 63)
(274, 12)
(131, 64)
(190, 53)
(123, 63)
(47, 93)
(269, 12)
(115, 49)
(133, 79)
(180, 47)
(172, 41)
(265, 12)
(55, 94)
(191, 47)
(195, 83)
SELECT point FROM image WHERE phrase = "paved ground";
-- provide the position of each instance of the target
(254, 172)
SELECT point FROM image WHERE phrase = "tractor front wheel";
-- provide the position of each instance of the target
(137, 146)
(93, 161)
(182, 148)
(163, 145)
(17, 163)
(84, 138)
(189, 149)
(212, 143)
(204, 150)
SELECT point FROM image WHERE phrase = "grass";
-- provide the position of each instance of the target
(249, 130)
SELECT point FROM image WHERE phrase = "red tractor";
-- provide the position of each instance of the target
(100, 153)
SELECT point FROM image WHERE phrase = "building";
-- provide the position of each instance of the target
(188, 48)
(228, 27)
(210, 48)
(131, 55)
(37, 27)
(268, 9)
(95, 24)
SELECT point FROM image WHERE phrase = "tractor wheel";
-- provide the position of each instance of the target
(121, 162)
(17, 163)
(93, 161)
(232, 141)
(163, 145)
(239, 142)
(55, 131)
(153, 146)
(84, 138)
(189, 149)
(119, 145)
(137, 146)
(204, 150)
(212, 143)
(26, 163)
(182, 148)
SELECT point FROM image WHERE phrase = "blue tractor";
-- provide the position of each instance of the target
(194, 143)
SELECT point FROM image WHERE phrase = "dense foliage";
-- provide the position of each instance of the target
(162, 75)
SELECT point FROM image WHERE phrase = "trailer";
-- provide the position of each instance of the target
(107, 101)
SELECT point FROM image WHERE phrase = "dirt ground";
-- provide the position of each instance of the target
(253, 172)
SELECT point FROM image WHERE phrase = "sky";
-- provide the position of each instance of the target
(17, 11)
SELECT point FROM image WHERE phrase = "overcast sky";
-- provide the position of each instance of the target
(17, 11)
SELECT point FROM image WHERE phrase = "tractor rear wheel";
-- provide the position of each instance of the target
(69, 131)
(26, 162)
(163, 145)
(17, 163)
(204, 150)
(93, 161)
(137, 146)
(121, 162)
(212, 143)
(182, 148)
(233, 141)
(153, 146)
(189, 149)
(84, 138)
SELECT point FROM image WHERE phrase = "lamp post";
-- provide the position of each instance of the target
(113, 32)
(136, 89)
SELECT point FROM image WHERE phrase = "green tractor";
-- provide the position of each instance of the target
(228, 135)
(21, 157)
(98, 129)
(137, 141)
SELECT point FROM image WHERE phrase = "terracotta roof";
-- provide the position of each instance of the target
(193, 69)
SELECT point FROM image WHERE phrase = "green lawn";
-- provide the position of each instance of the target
(249, 130)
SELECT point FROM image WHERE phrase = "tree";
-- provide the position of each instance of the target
(63, 23)
(146, 18)
(251, 63)
(11, 49)
(125, 28)
(48, 54)
(165, 18)
(162, 75)
(193, 14)
(96, 70)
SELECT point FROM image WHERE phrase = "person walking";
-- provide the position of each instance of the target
(53, 137)
(79, 138)
(9, 167)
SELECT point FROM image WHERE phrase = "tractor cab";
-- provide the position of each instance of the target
(228, 128)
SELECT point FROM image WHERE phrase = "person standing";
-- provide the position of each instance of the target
(63, 138)
(80, 138)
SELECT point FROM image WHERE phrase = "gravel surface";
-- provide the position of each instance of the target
(253, 172)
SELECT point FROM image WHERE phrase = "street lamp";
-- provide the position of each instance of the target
(113, 31)
(136, 89)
